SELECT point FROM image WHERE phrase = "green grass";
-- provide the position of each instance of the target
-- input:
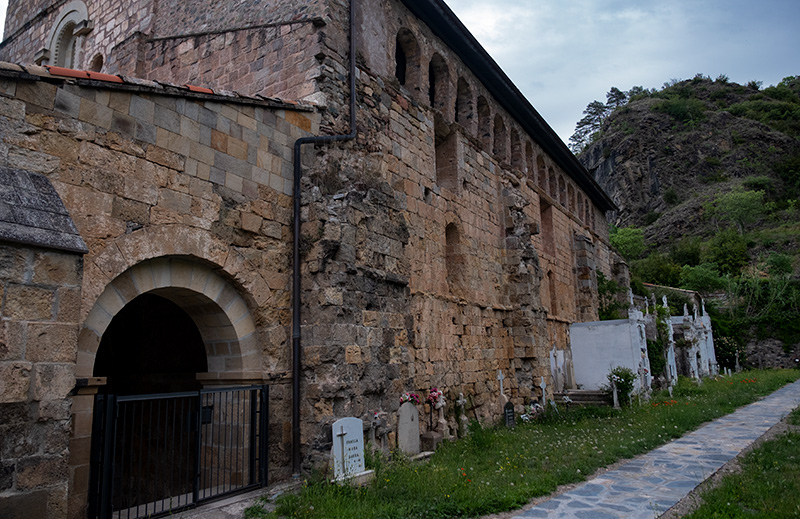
(495, 470)
(767, 487)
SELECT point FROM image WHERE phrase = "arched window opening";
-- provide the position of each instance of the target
(571, 198)
(438, 84)
(96, 65)
(500, 148)
(542, 172)
(579, 212)
(552, 188)
(407, 60)
(546, 217)
(464, 104)
(454, 260)
(64, 41)
(484, 122)
(400, 63)
(65, 47)
(517, 155)
(562, 191)
(529, 161)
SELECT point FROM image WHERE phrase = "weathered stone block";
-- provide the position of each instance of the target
(41, 471)
(52, 381)
(14, 381)
(51, 342)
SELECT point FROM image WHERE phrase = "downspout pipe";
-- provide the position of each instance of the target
(298, 173)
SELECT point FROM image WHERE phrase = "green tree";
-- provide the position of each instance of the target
(657, 268)
(739, 207)
(588, 127)
(704, 278)
(728, 250)
(629, 242)
(616, 98)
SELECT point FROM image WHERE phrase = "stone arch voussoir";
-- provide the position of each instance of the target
(214, 283)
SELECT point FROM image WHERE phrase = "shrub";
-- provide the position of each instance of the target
(624, 378)
(682, 110)
(657, 268)
(728, 250)
(703, 278)
(629, 242)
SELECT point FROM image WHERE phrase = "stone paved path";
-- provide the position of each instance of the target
(648, 485)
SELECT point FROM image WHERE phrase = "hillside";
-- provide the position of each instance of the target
(665, 154)
(707, 178)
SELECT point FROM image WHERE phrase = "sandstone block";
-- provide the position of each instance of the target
(41, 471)
(51, 342)
(52, 381)
(28, 303)
(14, 381)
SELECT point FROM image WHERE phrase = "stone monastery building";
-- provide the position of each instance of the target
(158, 158)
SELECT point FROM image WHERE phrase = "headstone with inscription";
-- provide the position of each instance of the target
(408, 429)
(508, 415)
(348, 448)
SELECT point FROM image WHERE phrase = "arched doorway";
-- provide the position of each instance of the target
(151, 346)
(174, 425)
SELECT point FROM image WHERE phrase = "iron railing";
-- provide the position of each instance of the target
(154, 455)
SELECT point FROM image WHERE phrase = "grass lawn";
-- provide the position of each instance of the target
(496, 469)
(767, 487)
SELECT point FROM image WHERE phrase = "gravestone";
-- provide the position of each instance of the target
(543, 386)
(348, 448)
(463, 421)
(508, 415)
(408, 429)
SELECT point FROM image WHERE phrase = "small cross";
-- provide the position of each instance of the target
(461, 400)
(500, 377)
(542, 385)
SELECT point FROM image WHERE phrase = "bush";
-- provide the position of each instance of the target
(682, 110)
(703, 278)
(657, 268)
(624, 378)
(728, 250)
(629, 242)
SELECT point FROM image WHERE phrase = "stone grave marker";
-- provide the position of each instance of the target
(508, 415)
(408, 429)
(463, 421)
(543, 386)
(348, 448)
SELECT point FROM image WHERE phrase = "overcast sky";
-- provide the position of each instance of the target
(563, 54)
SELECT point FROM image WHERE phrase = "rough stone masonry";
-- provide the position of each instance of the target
(455, 236)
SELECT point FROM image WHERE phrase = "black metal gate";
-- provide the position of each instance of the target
(154, 455)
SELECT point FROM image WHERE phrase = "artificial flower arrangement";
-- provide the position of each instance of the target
(409, 397)
(433, 395)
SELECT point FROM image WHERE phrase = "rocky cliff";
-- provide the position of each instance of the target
(664, 154)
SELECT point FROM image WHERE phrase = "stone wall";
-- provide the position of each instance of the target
(38, 347)
(189, 191)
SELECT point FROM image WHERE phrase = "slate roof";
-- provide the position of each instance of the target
(32, 213)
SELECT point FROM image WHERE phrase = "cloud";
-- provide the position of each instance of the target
(563, 55)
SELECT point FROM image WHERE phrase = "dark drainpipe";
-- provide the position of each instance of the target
(298, 173)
